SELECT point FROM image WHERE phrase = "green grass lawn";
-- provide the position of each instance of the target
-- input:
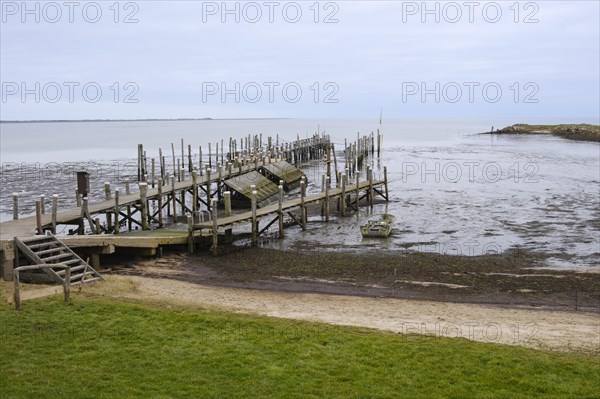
(102, 348)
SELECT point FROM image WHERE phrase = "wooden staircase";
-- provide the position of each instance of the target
(47, 250)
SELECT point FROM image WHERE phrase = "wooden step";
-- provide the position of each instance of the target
(71, 261)
(38, 239)
(55, 257)
(73, 269)
(47, 251)
(33, 247)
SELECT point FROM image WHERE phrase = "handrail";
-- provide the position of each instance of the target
(66, 283)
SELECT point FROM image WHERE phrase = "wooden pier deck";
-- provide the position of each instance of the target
(228, 221)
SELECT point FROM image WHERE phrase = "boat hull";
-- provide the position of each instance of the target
(377, 226)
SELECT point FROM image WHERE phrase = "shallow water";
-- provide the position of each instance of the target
(452, 193)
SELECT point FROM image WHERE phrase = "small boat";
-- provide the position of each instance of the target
(379, 225)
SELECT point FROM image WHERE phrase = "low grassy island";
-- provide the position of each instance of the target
(582, 131)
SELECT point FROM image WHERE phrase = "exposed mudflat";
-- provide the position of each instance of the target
(511, 279)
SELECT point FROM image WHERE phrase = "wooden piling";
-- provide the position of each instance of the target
(173, 199)
(38, 217)
(182, 155)
(227, 199)
(194, 190)
(160, 204)
(215, 232)
(280, 212)
(303, 214)
(77, 198)
(343, 196)
(116, 212)
(144, 204)
(327, 183)
(153, 172)
(43, 203)
(15, 197)
(107, 190)
(357, 174)
(254, 221)
(370, 177)
(174, 163)
(208, 188)
(378, 143)
(385, 183)
(54, 212)
(190, 223)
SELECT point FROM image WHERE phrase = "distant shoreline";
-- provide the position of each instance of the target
(581, 132)
(137, 120)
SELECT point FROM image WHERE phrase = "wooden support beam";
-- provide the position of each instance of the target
(116, 212)
(54, 212)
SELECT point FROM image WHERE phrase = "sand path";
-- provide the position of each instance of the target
(554, 330)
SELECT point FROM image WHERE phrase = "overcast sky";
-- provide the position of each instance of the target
(159, 59)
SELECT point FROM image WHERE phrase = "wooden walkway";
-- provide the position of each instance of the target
(26, 227)
(228, 221)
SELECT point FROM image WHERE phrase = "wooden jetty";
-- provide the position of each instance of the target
(348, 196)
(166, 196)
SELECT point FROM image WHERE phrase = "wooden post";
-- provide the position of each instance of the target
(378, 143)
(77, 198)
(17, 294)
(335, 165)
(370, 177)
(161, 162)
(385, 183)
(117, 227)
(15, 197)
(208, 184)
(178, 174)
(357, 174)
(182, 155)
(190, 165)
(190, 222)
(220, 172)
(144, 204)
(139, 166)
(280, 213)
(327, 183)
(173, 199)
(127, 191)
(200, 168)
(194, 190)
(182, 200)
(173, 156)
(38, 216)
(303, 214)
(254, 222)
(227, 197)
(215, 235)
(160, 204)
(107, 190)
(153, 172)
(43, 203)
(54, 212)
(209, 156)
(343, 197)
(67, 284)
